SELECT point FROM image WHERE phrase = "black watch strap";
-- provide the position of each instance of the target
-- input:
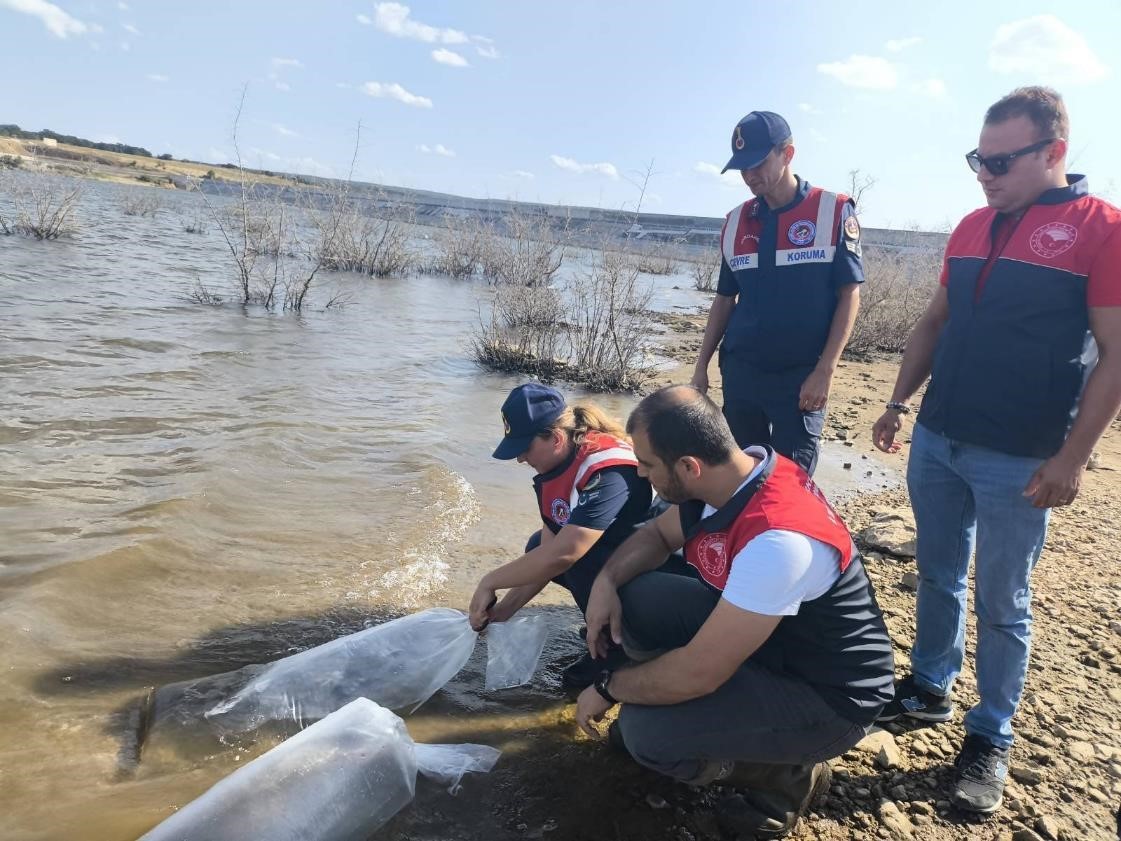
(601, 686)
(897, 406)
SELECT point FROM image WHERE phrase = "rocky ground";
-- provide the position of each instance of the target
(1066, 764)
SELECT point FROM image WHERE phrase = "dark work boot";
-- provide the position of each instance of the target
(772, 797)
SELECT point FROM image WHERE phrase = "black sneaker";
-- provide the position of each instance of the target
(913, 701)
(980, 771)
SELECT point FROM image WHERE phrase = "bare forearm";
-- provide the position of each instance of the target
(518, 597)
(1101, 400)
(848, 305)
(643, 551)
(718, 315)
(670, 679)
(535, 568)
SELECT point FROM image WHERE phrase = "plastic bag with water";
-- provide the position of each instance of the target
(338, 780)
(399, 664)
(513, 649)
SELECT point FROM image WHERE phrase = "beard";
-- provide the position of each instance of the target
(674, 491)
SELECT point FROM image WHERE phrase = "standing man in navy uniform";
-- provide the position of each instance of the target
(1013, 410)
(790, 276)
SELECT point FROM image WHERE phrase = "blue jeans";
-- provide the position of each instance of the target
(964, 498)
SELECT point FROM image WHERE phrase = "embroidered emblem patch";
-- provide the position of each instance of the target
(560, 511)
(505, 423)
(802, 232)
(1053, 239)
(739, 144)
(852, 228)
(712, 553)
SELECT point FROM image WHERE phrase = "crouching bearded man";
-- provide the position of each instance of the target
(772, 660)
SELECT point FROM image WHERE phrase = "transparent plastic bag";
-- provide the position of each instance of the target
(513, 649)
(338, 780)
(446, 764)
(399, 664)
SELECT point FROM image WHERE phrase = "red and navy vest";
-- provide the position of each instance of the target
(1013, 356)
(558, 495)
(782, 497)
(838, 643)
(782, 263)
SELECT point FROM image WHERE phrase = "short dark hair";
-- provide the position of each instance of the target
(679, 421)
(1043, 106)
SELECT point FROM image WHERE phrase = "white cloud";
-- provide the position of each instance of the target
(934, 88)
(58, 23)
(898, 45)
(391, 90)
(283, 87)
(130, 29)
(521, 173)
(394, 19)
(580, 169)
(286, 62)
(439, 149)
(484, 46)
(283, 130)
(863, 71)
(158, 77)
(731, 178)
(365, 20)
(1045, 48)
(452, 59)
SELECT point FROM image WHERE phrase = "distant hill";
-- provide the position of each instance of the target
(47, 134)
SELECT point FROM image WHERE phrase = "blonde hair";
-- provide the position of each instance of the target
(582, 418)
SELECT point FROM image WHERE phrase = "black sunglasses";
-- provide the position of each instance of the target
(998, 164)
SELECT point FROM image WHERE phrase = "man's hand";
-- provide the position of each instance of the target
(481, 604)
(1055, 483)
(504, 610)
(700, 380)
(603, 616)
(590, 707)
(815, 390)
(885, 430)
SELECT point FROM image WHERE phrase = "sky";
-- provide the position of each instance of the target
(570, 103)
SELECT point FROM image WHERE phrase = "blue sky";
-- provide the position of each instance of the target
(569, 102)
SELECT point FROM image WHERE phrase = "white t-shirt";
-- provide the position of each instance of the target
(778, 570)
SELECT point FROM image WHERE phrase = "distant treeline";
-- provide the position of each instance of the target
(45, 134)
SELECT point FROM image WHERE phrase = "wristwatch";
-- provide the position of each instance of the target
(902, 408)
(601, 686)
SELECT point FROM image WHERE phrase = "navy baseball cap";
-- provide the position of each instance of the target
(754, 137)
(530, 409)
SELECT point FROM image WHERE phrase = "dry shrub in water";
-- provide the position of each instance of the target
(460, 246)
(898, 284)
(706, 273)
(593, 330)
(134, 203)
(39, 206)
(529, 253)
(656, 262)
(351, 241)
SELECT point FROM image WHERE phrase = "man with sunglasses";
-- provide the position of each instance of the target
(787, 298)
(1029, 301)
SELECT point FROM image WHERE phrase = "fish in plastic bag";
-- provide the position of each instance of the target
(398, 664)
(513, 649)
(338, 780)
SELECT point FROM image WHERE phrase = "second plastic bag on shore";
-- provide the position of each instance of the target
(399, 664)
(513, 649)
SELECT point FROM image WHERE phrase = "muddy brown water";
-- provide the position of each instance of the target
(185, 490)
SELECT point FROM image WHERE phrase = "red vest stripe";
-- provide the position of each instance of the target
(787, 499)
(559, 495)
